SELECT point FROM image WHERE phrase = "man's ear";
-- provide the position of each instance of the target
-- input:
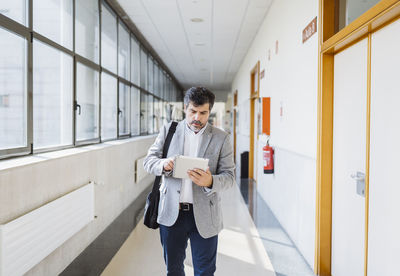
(184, 106)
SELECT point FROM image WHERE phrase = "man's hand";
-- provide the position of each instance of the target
(168, 164)
(200, 177)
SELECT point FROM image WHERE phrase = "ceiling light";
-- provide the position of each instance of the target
(199, 44)
(197, 20)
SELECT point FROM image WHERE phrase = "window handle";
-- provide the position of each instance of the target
(119, 111)
(77, 106)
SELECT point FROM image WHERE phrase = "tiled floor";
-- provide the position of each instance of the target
(251, 243)
(240, 249)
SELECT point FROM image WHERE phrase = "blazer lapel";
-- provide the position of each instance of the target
(205, 140)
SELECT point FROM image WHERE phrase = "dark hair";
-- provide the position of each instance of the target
(199, 96)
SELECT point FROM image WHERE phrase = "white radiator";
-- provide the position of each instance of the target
(27, 240)
(140, 171)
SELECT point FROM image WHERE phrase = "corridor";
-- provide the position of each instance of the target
(296, 100)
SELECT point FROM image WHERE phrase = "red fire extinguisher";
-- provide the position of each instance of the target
(268, 158)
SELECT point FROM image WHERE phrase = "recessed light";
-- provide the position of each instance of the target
(199, 44)
(197, 20)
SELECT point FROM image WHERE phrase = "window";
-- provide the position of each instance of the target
(157, 114)
(52, 96)
(143, 113)
(53, 19)
(150, 114)
(124, 53)
(108, 40)
(124, 110)
(150, 75)
(87, 29)
(16, 10)
(143, 69)
(349, 10)
(87, 103)
(109, 85)
(13, 91)
(164, 86)
(156, 80)
(135, 61)
(71, 80)
(135, 111)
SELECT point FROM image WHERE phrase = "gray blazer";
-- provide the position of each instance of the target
(216, 146)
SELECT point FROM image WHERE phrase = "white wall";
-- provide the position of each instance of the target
(291, 82)
(26, 183)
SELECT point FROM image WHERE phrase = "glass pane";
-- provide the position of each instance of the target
(15, 9)
(143, 113)
(150, 114)
(13, 95)
(87, 29)
(109, 40)
(52, 96)
(109, 86)
(156, 80)
(135, 111)
(150, 74)
(124, 53)
(87, 96)
(135, 60)
(157, 115)
(143, 69)
(53, 19)
(349, 10)
(123, 112)
(164, 92)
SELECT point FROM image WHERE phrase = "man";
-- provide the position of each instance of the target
(190, 208)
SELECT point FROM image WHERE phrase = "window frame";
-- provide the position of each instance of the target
(28, 34)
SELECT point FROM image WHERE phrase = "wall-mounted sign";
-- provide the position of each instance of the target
(262, 73)
(310, 30)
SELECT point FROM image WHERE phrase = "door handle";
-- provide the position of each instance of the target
(359, 177)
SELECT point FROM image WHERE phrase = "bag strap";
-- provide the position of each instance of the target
(171, 133)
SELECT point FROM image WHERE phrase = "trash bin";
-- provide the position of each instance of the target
(244, 164)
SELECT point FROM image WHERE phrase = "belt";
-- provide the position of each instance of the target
(185, 206)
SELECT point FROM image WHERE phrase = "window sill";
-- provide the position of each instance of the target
(41, 157)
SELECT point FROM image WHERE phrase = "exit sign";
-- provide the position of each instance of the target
(310, 30)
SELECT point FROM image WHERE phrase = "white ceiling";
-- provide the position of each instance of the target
(208, 53)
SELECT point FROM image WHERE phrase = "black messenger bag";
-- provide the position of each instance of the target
(151, 209)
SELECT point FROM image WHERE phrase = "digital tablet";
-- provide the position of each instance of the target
(184, 163)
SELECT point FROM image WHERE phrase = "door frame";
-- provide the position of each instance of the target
(254, 95)
(329, 44)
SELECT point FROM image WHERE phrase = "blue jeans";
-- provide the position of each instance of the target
(174, 241)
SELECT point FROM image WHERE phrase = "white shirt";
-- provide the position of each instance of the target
(190, 148)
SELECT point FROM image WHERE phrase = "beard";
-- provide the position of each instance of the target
(196, 125)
